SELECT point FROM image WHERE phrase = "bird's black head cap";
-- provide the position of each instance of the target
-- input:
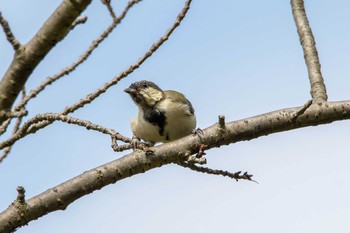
(145, 93)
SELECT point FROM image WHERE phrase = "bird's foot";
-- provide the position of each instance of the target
(144, 146)
(133, 143)
(197, 131)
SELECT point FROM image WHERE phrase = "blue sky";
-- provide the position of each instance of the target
(229, 57)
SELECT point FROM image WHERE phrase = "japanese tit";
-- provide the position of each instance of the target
(163, 115)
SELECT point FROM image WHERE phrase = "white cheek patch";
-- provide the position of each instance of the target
(151, 95)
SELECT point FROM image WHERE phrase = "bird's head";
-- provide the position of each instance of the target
(145, 93)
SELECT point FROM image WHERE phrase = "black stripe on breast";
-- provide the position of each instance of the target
(155, 117)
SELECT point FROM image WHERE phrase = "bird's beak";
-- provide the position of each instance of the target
(130, 90)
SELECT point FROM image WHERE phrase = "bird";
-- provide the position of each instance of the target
(163, 115)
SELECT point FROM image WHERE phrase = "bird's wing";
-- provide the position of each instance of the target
(180, 98)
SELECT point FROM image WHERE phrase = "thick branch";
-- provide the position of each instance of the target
(318, 88)
(59, 197)
(29, 55)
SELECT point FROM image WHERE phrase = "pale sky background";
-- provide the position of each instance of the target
(229, 57)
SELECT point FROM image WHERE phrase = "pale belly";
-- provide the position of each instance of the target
(176, 127)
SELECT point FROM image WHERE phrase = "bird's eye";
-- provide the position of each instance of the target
(144, 85)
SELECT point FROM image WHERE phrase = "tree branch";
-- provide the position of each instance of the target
(29, 55)
(59, 197)
(9, 35)
(318, 88)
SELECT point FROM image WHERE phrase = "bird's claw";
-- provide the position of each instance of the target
(135, 142)
(197, 131)
(144, 146)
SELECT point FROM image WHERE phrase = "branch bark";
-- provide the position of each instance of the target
(318, 88)
(59, 197)
(28, 56)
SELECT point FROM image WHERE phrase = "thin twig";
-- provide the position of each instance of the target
(237, 175)
(301, 111)
(14, 114)
(4, 126)
(5, 153)
(51, 117)
(33, 93)
(7, 150)
(79, 20)
(20, 114)
(106, 1)
(9, 35)
(110, 9)
(318, 88)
